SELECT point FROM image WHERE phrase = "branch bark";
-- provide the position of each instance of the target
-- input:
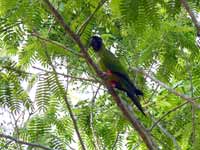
(166, 114)
(23, 142)
(189, 70)
(96, 141)
(64, 95)
(185, 97)
(116, 140)
(83, 26)
(144, 134)
(64, 75)
(168, 134)
(55, 43)
(194, 20)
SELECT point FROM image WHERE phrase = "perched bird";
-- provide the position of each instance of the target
(116, 74)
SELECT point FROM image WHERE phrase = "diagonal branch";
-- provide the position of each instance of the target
(64, 75)
(23, 142)
(166, 114)
(194, 19)
(116, 140)
(185, 97)
(144, 134)
(92, 113)
(168, 134)
(188, 68)
(83, 26)
(64, 95)
(55, 43)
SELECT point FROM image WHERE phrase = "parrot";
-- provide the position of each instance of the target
(116, 74)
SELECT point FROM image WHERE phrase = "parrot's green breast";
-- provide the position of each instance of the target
(108, 62)
(103, 66)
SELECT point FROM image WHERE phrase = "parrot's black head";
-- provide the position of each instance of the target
(96, 43)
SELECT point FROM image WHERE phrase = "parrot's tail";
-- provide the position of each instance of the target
(138, 92)
(135, 100)
(132, 92)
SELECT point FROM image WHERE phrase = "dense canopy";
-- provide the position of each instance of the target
(52, 94)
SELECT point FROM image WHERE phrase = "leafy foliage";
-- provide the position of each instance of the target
(42, 69)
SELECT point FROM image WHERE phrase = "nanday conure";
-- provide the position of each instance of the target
(117, 75)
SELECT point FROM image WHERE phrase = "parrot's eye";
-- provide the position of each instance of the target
(96, 43)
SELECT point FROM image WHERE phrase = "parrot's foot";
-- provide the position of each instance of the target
(113, 84)
(106, 74)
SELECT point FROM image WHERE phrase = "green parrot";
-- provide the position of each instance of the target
(116, 74)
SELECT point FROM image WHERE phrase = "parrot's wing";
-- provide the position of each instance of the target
(129, 88)
(112, 63)
(126, 80)
(116, 67)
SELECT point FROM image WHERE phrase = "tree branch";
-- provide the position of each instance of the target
(56, 43)
(166, 114)
(135, 147)
(116, 140)
(144, 134)
(6, 145)
(83, 26)
(23, 142)
(194, 20)
(168, 134)
(188, 68)
(64, 95)
(95, 138)
(185, 97)
(64, 75)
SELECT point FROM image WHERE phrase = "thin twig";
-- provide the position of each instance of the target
(56, 44)
(96, 140)
(136, 146)
(23, 142)
(116, 140)
(16, 129)
(166, 114)
(64, 75)
(179, 106)
(66, 90)
(193, 124)
(193, 108)
(196, 98)
(6, 145)
(164, 144)
(16, 70)
(168, 134)
(83, 26)
(185, 97)
(188, 68)
(153, 93)
(67, 103)
(144, 134)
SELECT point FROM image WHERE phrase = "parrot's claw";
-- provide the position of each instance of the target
(113, 85)
(109, 73)
(106, 74)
